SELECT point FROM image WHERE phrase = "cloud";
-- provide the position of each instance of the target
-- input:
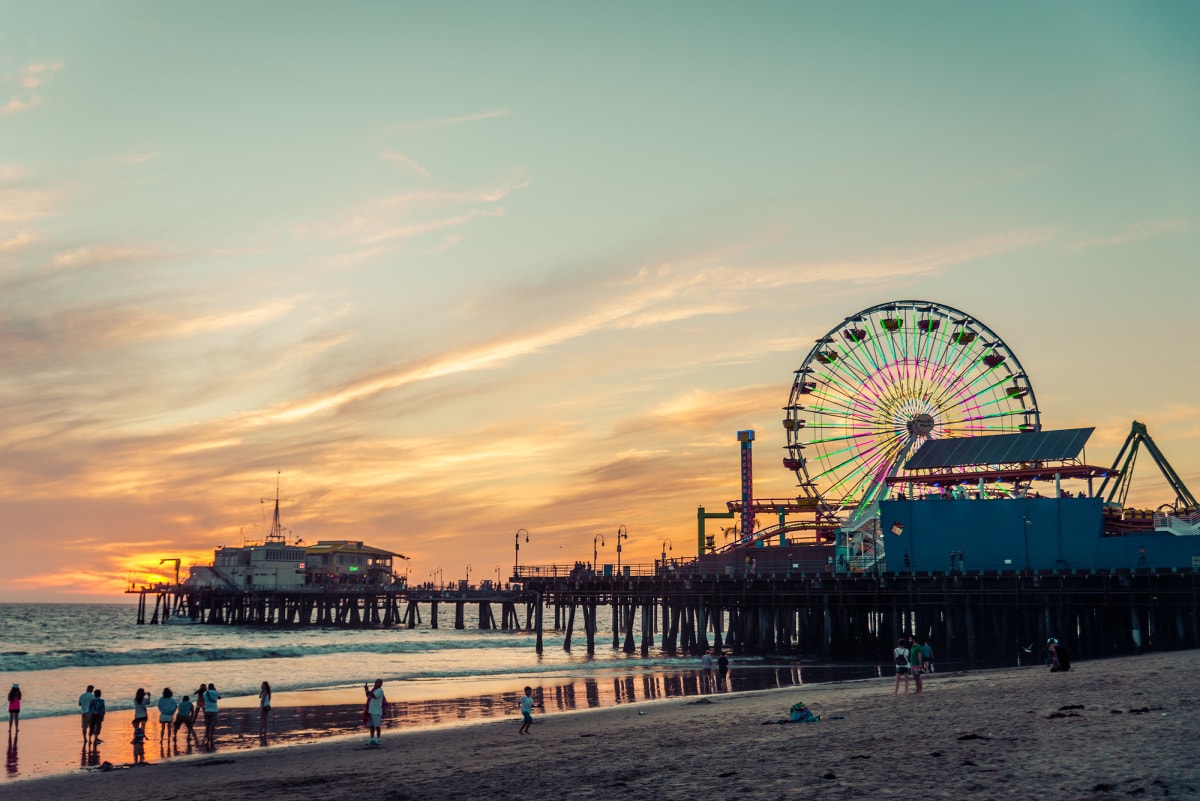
(101, 254)
(405, 161)
(1147, 229)
(17, 241)
(429, 125)
(34, 75)
(18, 104)
(141, 158)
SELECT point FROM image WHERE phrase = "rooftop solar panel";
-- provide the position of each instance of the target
(1030, 446)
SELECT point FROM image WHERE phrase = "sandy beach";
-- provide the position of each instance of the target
(1113, 728)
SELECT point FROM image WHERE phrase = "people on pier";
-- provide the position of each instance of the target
(85, 712)
(166, 712)
(264, 708)
(900, 656)
(375, 702)
(14, 708)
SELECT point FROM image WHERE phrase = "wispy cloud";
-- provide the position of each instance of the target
(34, 75)
(1146, 229)
(16, 242)
(101, 254)
(428, 125)
(18, 104)
(404, 161)
(141, 158)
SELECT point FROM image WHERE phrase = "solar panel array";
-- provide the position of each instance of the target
(1030, 446)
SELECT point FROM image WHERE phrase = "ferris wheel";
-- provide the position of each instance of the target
(886, 380)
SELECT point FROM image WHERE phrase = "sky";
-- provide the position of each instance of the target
(451, 270)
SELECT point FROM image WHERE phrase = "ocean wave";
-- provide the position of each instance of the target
(14, 661)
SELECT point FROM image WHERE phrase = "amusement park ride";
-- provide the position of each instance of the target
(870, 402)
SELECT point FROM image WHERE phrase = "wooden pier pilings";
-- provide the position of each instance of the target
(975, 617)
(985, 617)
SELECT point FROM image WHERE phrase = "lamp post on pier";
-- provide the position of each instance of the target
(517, 549)
(666, 545)
(468, 575)
(595, 552)
(621, 534)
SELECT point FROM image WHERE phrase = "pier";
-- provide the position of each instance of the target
(976, 616)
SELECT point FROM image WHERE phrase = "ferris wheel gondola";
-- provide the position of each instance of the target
(883, 382)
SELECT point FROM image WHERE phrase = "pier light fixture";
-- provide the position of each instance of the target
(517, 549)
(621, 534)
(667, 545)
(595, 553)
(468, 575)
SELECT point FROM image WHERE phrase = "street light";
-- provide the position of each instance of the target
(468, 575)
(517, 548)
(599, 537)
(667, 545)
(621, 534)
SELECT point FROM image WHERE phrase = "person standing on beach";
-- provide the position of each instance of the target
(199, 705)
(141, 710)
(14, 708)
(98, 708)
(914, 661)
(85, 712)
(264, 708)
(211, 696)
(184, 715)
(927, 656)
(722, 670)
(900, 656)
(526, 711)
(706, 671)
(375, 701)
(166, 712)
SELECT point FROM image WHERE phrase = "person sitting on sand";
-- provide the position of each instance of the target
(900, 657)
(1060, 660)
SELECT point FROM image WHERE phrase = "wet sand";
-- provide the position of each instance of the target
(1112, 728)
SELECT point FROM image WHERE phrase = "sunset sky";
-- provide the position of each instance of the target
(454, 269)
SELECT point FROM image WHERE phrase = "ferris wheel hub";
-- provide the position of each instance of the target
(921, 425)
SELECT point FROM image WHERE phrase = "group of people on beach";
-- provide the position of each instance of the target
(913, 659)
(173, 715)
(713, 673)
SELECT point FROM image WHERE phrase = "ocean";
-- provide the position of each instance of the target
(433, 677)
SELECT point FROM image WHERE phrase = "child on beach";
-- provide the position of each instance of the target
(264, 708)
(14, 708)
(184, 716)
(526, 711)
(139, 745)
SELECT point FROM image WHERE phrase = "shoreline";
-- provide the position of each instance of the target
(1128, 723)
